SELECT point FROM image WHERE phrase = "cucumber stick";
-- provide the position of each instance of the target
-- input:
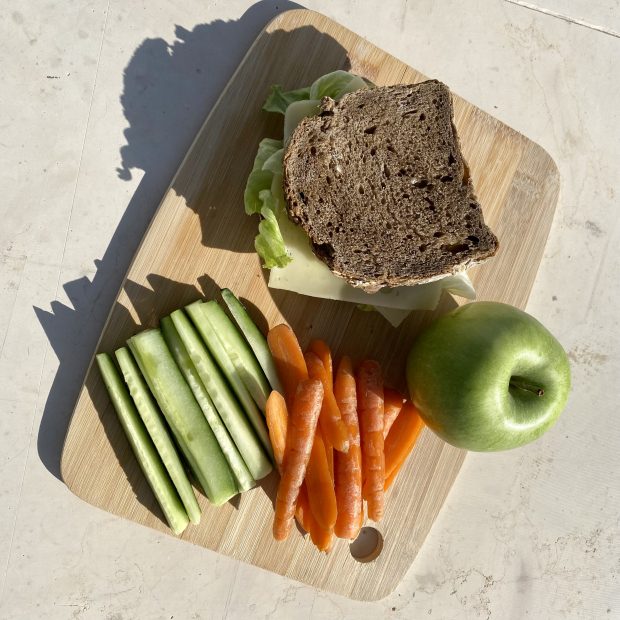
(184, 362)
(239, 353)
(184, 416)
(224, 400)
(254, 337)
(142, 446)
(156, 427)
(218, 351)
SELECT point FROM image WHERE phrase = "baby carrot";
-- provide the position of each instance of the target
(320, 486)
(321, 350)
(348, 467)
(300, 436)
(370, 407)
(277, 422)
(400, 440)
(288, 358)
(329, 453)
(393, 404)
(332, 426)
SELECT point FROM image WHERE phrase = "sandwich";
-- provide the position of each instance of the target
(367, 198)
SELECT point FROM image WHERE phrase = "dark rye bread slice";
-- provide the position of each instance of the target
(378, 182)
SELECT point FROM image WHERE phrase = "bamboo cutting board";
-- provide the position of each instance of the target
(200, 240)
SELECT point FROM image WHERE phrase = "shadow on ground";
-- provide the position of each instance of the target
(169, 87)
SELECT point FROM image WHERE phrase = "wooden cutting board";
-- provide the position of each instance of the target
(200, 240)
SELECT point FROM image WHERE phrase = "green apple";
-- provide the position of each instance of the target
(488, 376)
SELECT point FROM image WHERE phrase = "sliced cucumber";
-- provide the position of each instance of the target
(142, 446)
(156, 427)
(184, 416)
(254, 337)
(224, 400)
(218, 351)
(184, 362)
(239, 352)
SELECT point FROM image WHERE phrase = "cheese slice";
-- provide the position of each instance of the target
(459, 285)
(316, 280)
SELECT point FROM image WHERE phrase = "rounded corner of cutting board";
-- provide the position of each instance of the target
(68, 448)
(547, 161)
(66, 475)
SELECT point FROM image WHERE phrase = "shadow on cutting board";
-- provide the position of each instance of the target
(168, 90)
(166, 295)
(122, 450)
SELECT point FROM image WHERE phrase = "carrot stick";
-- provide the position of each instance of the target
(370, 407)
(321, 350)
(401, 439)
(320, 486)
(322, 538)
(393, 404)
(300, 436)
(303, 513)
(276, 415)
(288, 358)
(390, 479)
(332, 426)
(348, 467)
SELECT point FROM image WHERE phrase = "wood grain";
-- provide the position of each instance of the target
(199, 241)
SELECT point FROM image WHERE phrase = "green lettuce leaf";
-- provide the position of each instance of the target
(274, 162)
(260, 178)
(258, 181)
(335, 85)
(259, 198)
(269, 243)
(266, 148)
(278, 100)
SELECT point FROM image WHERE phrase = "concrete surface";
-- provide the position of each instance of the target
(99, 102)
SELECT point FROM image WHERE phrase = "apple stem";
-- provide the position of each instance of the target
(524, 385)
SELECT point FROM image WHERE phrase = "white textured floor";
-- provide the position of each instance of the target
(99, 101)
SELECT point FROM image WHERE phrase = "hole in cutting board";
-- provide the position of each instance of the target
(367, 546)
